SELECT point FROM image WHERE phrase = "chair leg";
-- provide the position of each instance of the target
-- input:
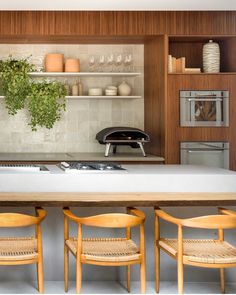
(222, 280)
(78, 276)
(40, 275)
(180, 277)
(157, 267)
(128, 277)
(143, 277)
(37, 276)
(66, 268)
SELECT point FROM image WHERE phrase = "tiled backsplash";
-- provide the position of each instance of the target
(76, 131)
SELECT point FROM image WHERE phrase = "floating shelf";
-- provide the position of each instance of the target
(221, 73)
(100, 97)
(104, 97)
(85, 74)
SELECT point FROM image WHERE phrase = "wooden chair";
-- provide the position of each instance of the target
(202, 253)
(23, 250)
(105, 251)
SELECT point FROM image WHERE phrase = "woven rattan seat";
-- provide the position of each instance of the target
(106, 249)
(18, 248)
(120, 251)
(23, 250)
(205, 251)
(208, 253)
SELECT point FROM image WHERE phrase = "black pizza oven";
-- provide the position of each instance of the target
(114, 136)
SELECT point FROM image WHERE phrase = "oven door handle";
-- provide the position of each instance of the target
(205, 99)
(205, 150)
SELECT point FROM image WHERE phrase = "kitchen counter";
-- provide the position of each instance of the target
(59, 157)
(139, 185)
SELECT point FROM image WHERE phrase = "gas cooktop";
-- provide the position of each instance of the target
(90, 166)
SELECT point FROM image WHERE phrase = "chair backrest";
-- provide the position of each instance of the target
(211, 222)
(113, 220)
(21, 220)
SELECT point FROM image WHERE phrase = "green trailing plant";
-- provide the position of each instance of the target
(46, 101)
(15, 82)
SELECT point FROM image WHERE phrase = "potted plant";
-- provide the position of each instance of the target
(45, 101)
(15, 82)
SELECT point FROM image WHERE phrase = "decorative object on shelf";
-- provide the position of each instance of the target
(54, 62)
(67, 87)
(192, 70)
(118, 62)
(101, 62)
(91, 63)
(111, 91)
(95, 92)
(75, 89)
(211, 57)
(124, 89)
(81, 88)
(110, 62)
(176, 65)
(72, 65)
(128, 60)
(16, 82)
(46, 101)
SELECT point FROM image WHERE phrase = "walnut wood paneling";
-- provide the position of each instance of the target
(228, 55)
(91, 23)
(175, 134)
(155, 59)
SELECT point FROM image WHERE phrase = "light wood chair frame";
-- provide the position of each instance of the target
(133, 218)
(219, 222)
(22, 220)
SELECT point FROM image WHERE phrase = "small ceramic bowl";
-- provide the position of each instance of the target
(95, 91)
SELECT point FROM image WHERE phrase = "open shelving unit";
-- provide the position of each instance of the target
(191, 48)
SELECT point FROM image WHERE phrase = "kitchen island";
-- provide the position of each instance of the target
(138, 185)
(91, 193)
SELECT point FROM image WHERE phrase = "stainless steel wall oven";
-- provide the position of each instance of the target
(214, 154)
(204, 108)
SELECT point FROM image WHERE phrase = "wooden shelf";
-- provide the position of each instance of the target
(221, 73)
(104, 97)
(100, 97)
(85, 74)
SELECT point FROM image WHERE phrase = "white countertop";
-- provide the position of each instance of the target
(137, 178)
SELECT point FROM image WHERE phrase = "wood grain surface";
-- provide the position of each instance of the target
(175, 134)
(116, 199)
(32, 24)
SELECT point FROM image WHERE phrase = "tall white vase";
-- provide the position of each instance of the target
(211, 57)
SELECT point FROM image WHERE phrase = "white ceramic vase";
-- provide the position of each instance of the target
(211, 57)
(124, 89)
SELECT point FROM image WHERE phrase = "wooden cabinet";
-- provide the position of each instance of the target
(162, 93)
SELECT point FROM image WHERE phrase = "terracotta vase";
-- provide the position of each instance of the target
(54, 62)
(72, 65)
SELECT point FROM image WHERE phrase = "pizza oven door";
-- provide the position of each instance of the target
(204, 108)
